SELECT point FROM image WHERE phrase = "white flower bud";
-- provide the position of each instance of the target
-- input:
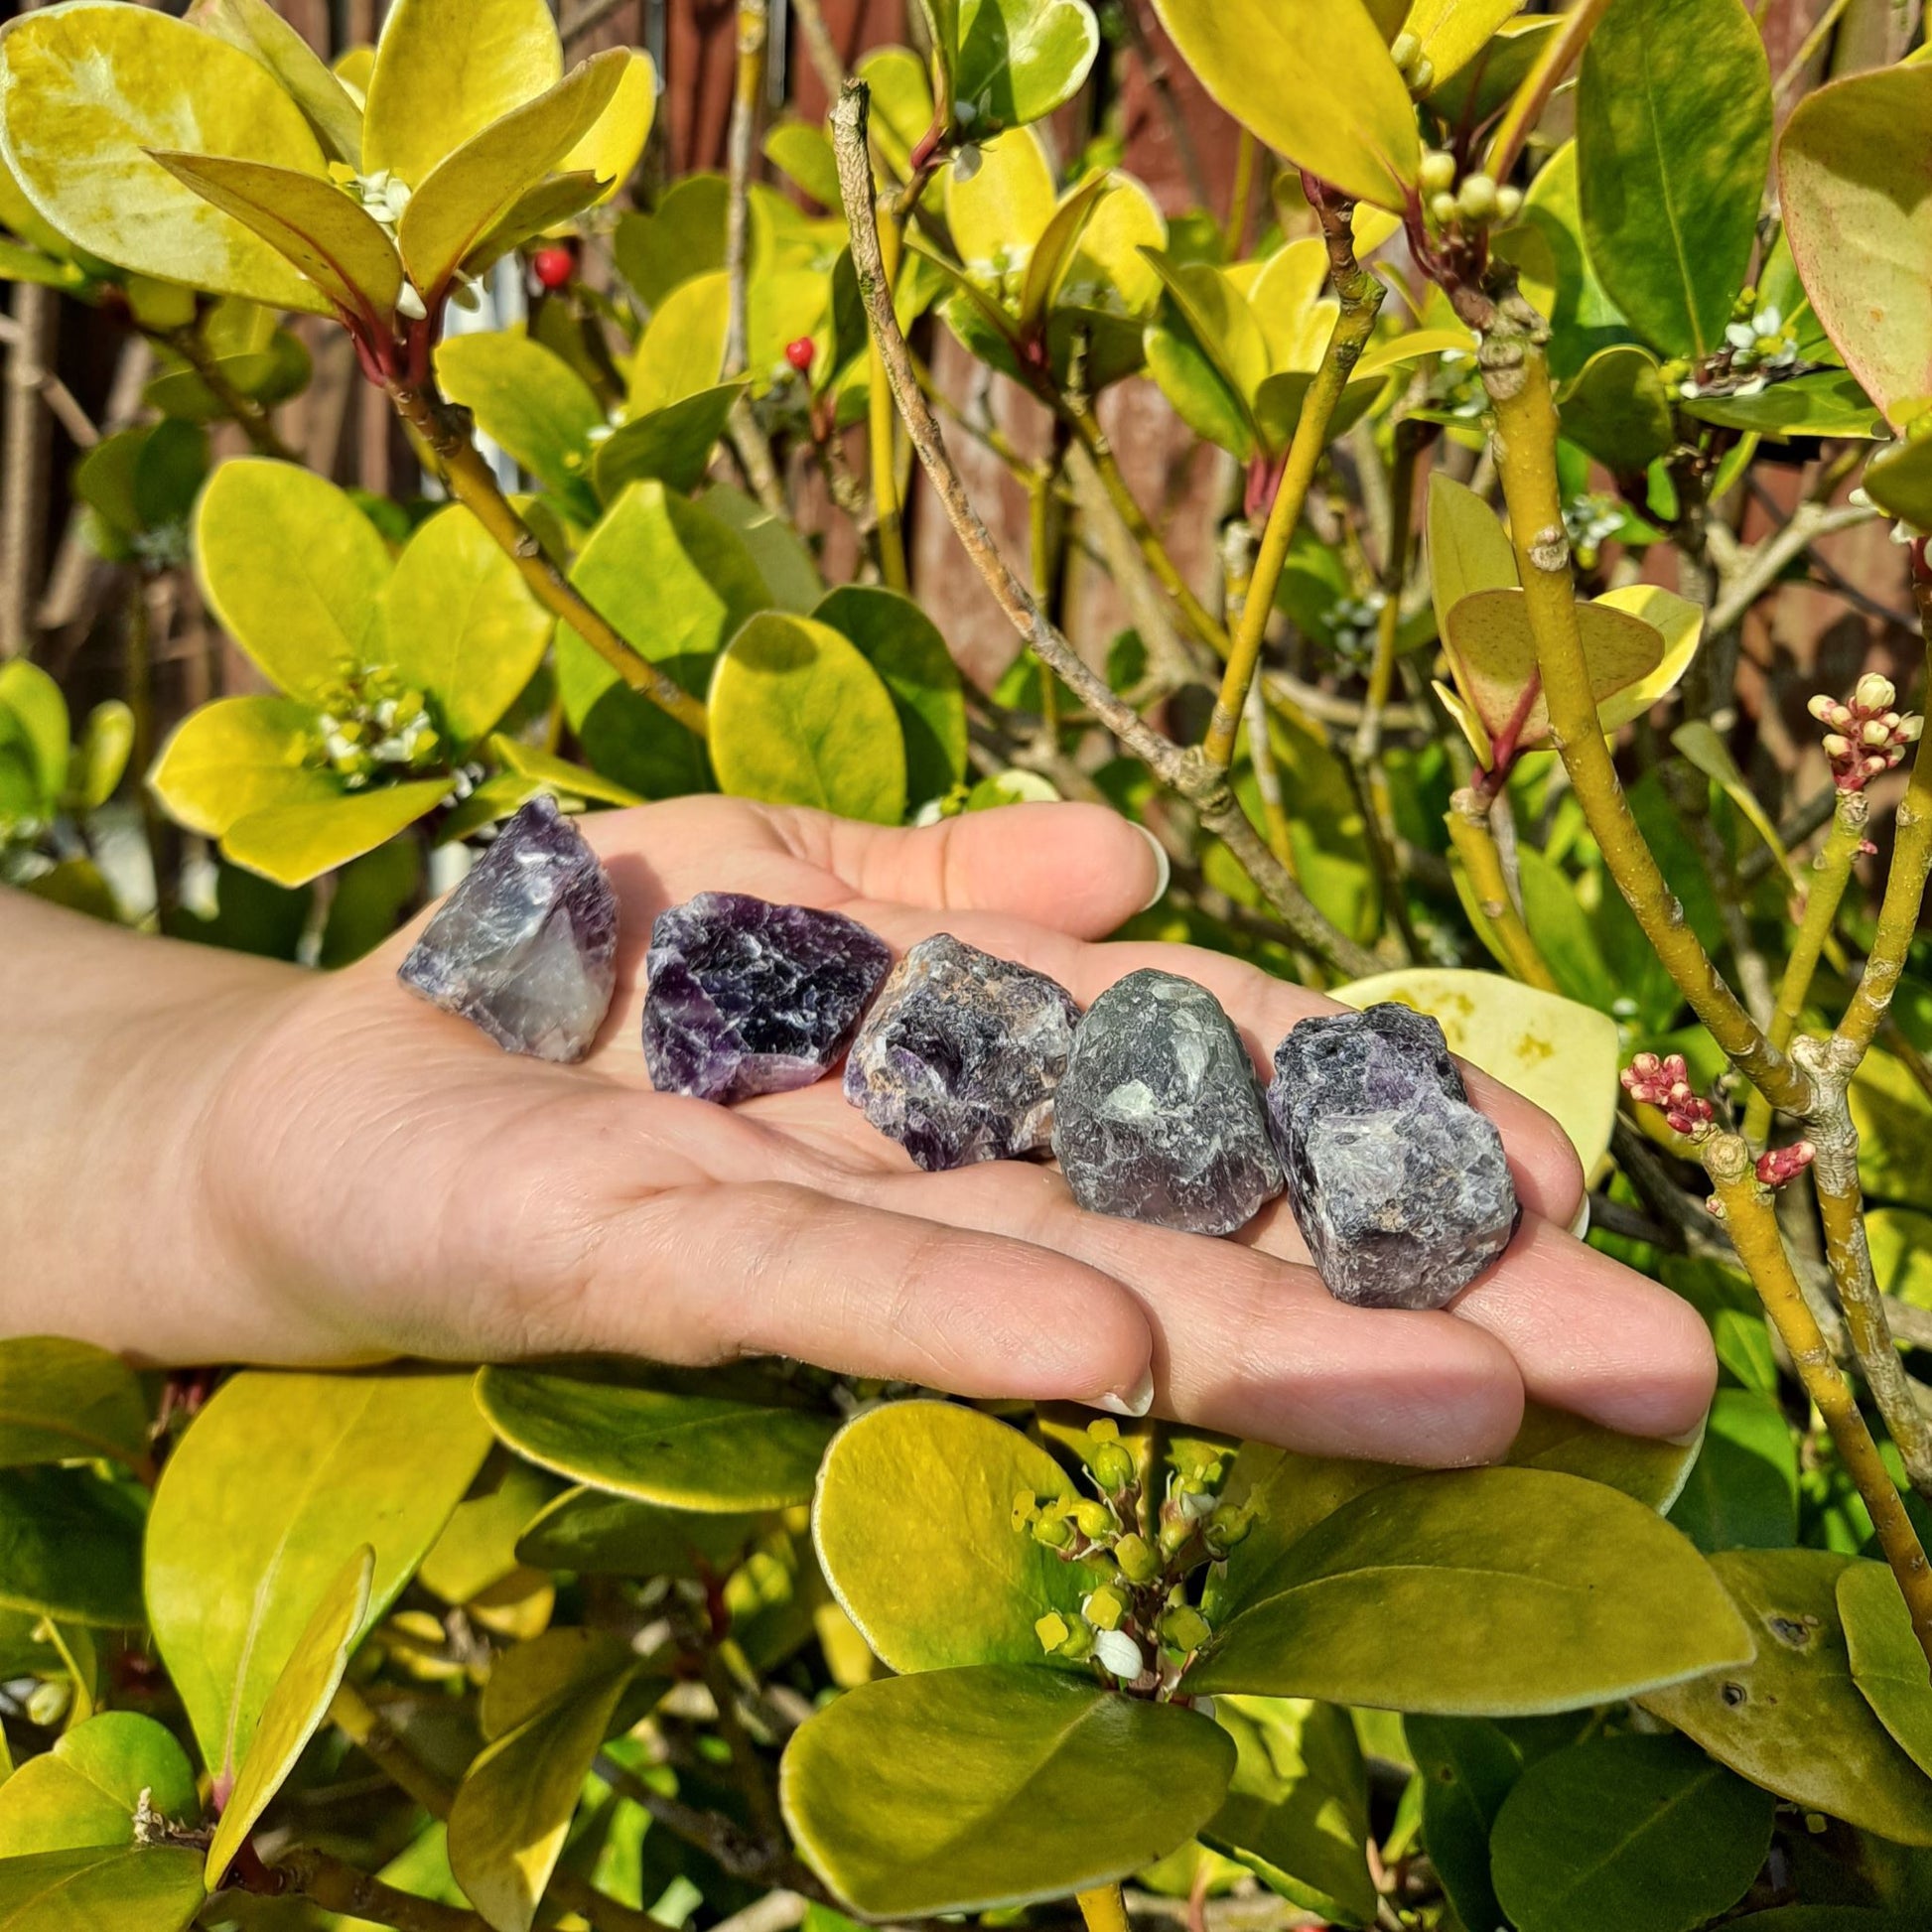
(1876, 693)
(1909, 726)
(1119, 1653)
(1443, 209)
(1509, 204)
(410, 304)
(1820, 707)
(1438, 171)
(1836, 746)
(1874, 733)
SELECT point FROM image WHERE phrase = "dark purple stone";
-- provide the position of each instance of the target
(1158, 1117)
(960, 1057)
(1401, 1187)
(744, 996)
(525, 949)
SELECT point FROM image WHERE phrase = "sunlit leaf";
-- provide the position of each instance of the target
(904, 646)
(64, 1399)
(1467, 1766)
(151, 1888)
(87, 1788)
(1018, 60)
(238, 755)
(295, 843)
(1453, 32)
(1680, 623)
(258, 29)
(614, 142)
(532, 402)
(672, 445)
(683, 348)
(1887, 1664)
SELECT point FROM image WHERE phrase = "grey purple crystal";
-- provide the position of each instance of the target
(1401, 1187)
(960, 1057)
(525, 947)
(744, 997)
(1158, 1115)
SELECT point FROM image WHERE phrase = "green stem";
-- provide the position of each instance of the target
(1470, 832)
(472, 483)
(1361, 301)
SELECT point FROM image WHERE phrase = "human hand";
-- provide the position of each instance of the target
(379, 1179)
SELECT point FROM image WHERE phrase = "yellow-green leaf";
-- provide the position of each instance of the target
(149, 1888)
(1887, 1665)
(258, 29)
(459, 621)
(557, 775)
(445, 69)
(799, 718)
(279, 1480)
(1616, 410)
(1453, 32)
(70, 1547)
(683, 348)
(1310, 79)
(1680, 623)
(1552, 1050)
(295, 843)
(293, 569)
(1469, 549)
(334, 240)
(1898, 478)
(295, 1707)
(62, 1399)
(1018, 60)
(1794, 1721)
(470, 192)
(615, 141)
(1710, 755)
(531, 401)
(238, 755)
(32, 699)
(998, 213)
(87, 1788)
(89, 90)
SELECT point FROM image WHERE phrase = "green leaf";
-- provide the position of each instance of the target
(1467, 1767)
(904, 646)
(101, 755)
(1020, 59)
(587, 1530)
(1468, 548)
(1793, 1720)
(87, 1788)
(34, 700)
(1557, 276)
(1895, 1121)
(258, 29)
(1542, 1592)
(998, 213)
(676, 581)
(293, 569)
(1627, 1833)
(62, 1398)
(1744, 1491)
(113, 82)
(1899, 479)
(532, 402)
(295, 843)
(459, 621)
(686, 1451)
(558, 774)
(334, 240)
(1615, 410)
(1676, 620)
(614, 144)
(803, 151)
(1482, 87)
(1849, 164)
(239, 755)
(1709, 755)
(553, 202)
(1673, 140)
(1563, 935)
(1823, 402)
(474, 189)
(1453, 32)
(1887, 1664)
(295, 1708)
(477, 1547)
(1562, 1055)
(799, 718)
(373, 896)
(962, 1790)
(1310, 79)
(70, 1547)
(1297, 1809)
(515, 1802)
(683, 348)
(1652, 1472)
(914, 1528)
(683, 237)
(154, 1888)
(784, 559)
(279, 1480)
(419, 114)
(672, 445)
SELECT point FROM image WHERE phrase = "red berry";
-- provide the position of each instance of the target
(799, 355)
(555, 266)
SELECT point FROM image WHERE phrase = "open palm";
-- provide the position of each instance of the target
(389, 1183)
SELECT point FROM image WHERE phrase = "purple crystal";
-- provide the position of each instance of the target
(747, 998)
(526, 946)
(960, 1057)
(1158, 1117)
(1401, 1187)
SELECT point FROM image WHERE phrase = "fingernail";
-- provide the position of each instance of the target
(1581, 1225)
(1163, 876)
(1135, 1402)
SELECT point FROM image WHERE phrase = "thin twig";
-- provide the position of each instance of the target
(747, 435)
(1764, 564)
(339, 1887)
(821, 49)
(1186, 771)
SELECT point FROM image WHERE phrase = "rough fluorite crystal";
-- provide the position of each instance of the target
(744, 996)
(1158, 1115)
(526, 945)
(960, 1057)
(1400, 1185)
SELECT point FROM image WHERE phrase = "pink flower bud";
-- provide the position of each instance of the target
(1778, 1164)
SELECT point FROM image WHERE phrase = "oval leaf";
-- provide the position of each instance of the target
(295, 843)
(258, 29)
(1541, 1591)
(591, 1531)
(70, 1547)
(687, 1452)
(1018, 60)
(60, 1400)
(915, 1533)
(1793, 1720)
(87, 1788)
(904, 646)
(295, 1708)
(963, 1790)
(1887, 1665)
(799, 718)
(238, 755)
(277, 1483)
(154, 1888)
(114, 82)
(1310, 79)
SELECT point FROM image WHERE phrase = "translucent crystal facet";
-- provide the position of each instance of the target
(1159, 1116)
(961, 1055)
(746, 998)
(1401, 1187)
(525, 947)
